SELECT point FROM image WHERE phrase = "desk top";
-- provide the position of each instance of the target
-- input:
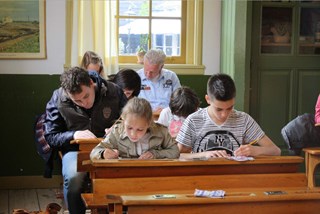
(231, 195)
(125, 168)
(312, 150)
(194, 162)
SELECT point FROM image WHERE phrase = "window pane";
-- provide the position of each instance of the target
(166, 8)
(168, 38)
(134, 8)
(131, 33)
(276, 30)
(309, 39)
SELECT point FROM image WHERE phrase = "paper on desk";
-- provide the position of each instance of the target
(209, 194)
(240, 158)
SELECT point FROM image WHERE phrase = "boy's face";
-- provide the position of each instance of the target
(219, 111)
(85, 98)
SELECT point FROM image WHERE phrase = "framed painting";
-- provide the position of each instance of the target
(22, 29)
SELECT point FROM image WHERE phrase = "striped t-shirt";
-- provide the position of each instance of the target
(201, 133)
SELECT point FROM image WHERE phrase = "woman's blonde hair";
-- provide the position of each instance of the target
(91, 57)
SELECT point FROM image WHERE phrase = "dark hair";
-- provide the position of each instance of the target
(73, 79)
(128, 79)
(221, 87)
(91, 57)
(184, 101)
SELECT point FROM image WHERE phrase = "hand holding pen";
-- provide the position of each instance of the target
(246, 149)
(111, 153)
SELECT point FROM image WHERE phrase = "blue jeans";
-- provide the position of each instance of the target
(74, 183)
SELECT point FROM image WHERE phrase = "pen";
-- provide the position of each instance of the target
(253, 142)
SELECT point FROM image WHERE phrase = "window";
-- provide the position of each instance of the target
(156, 24)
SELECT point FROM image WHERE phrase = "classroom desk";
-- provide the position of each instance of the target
(86, 144)
(312, 157)
(297, 200)
(125, 168)
(85, 147)
(125, 176)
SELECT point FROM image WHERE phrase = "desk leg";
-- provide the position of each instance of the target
(307, 156)
(115, 208)
(312, 162)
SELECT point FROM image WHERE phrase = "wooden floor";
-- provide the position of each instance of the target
(30, 200)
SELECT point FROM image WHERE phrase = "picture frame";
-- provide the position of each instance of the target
(22, 29)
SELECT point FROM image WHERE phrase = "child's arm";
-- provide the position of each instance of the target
(105, 149)
(185, 153)
(110, 154)
(265, 147)
(169, 148)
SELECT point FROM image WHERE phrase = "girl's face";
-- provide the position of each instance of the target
(135, 127)
(94, 67)
(128, 93)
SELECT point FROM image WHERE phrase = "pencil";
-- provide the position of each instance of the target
(253, 142)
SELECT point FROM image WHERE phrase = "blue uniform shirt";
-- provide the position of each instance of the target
(158, 93)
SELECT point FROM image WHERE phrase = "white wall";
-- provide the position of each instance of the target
(211, 36)
(55, 40)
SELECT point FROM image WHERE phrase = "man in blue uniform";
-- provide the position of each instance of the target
(157, 83)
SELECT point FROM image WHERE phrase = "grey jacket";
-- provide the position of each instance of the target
(161, 144)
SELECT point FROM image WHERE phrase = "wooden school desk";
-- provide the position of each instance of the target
(312, 161)
(138, 176)
(124, 168)
(295, 200)
(85, 147)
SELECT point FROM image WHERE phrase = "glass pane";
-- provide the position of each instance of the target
(168, 38)
(133, 35)
(134, 8)
(276, 30)
(166, 8)
(309, 38)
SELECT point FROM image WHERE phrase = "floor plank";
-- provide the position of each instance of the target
(23, 199)
(47, 196)
(4, 202)
(30, 200)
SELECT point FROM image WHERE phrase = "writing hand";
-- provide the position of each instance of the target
(216, 154)
(111, 154)
(146, 155)
(245, 150)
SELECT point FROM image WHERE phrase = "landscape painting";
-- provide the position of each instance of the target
(22, 29)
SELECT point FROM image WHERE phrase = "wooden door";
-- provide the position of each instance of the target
(285, 63)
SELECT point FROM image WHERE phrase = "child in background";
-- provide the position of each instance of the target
(136, 136)
(317, 113)
(183, 102)
(128, 80)
(91, 61)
